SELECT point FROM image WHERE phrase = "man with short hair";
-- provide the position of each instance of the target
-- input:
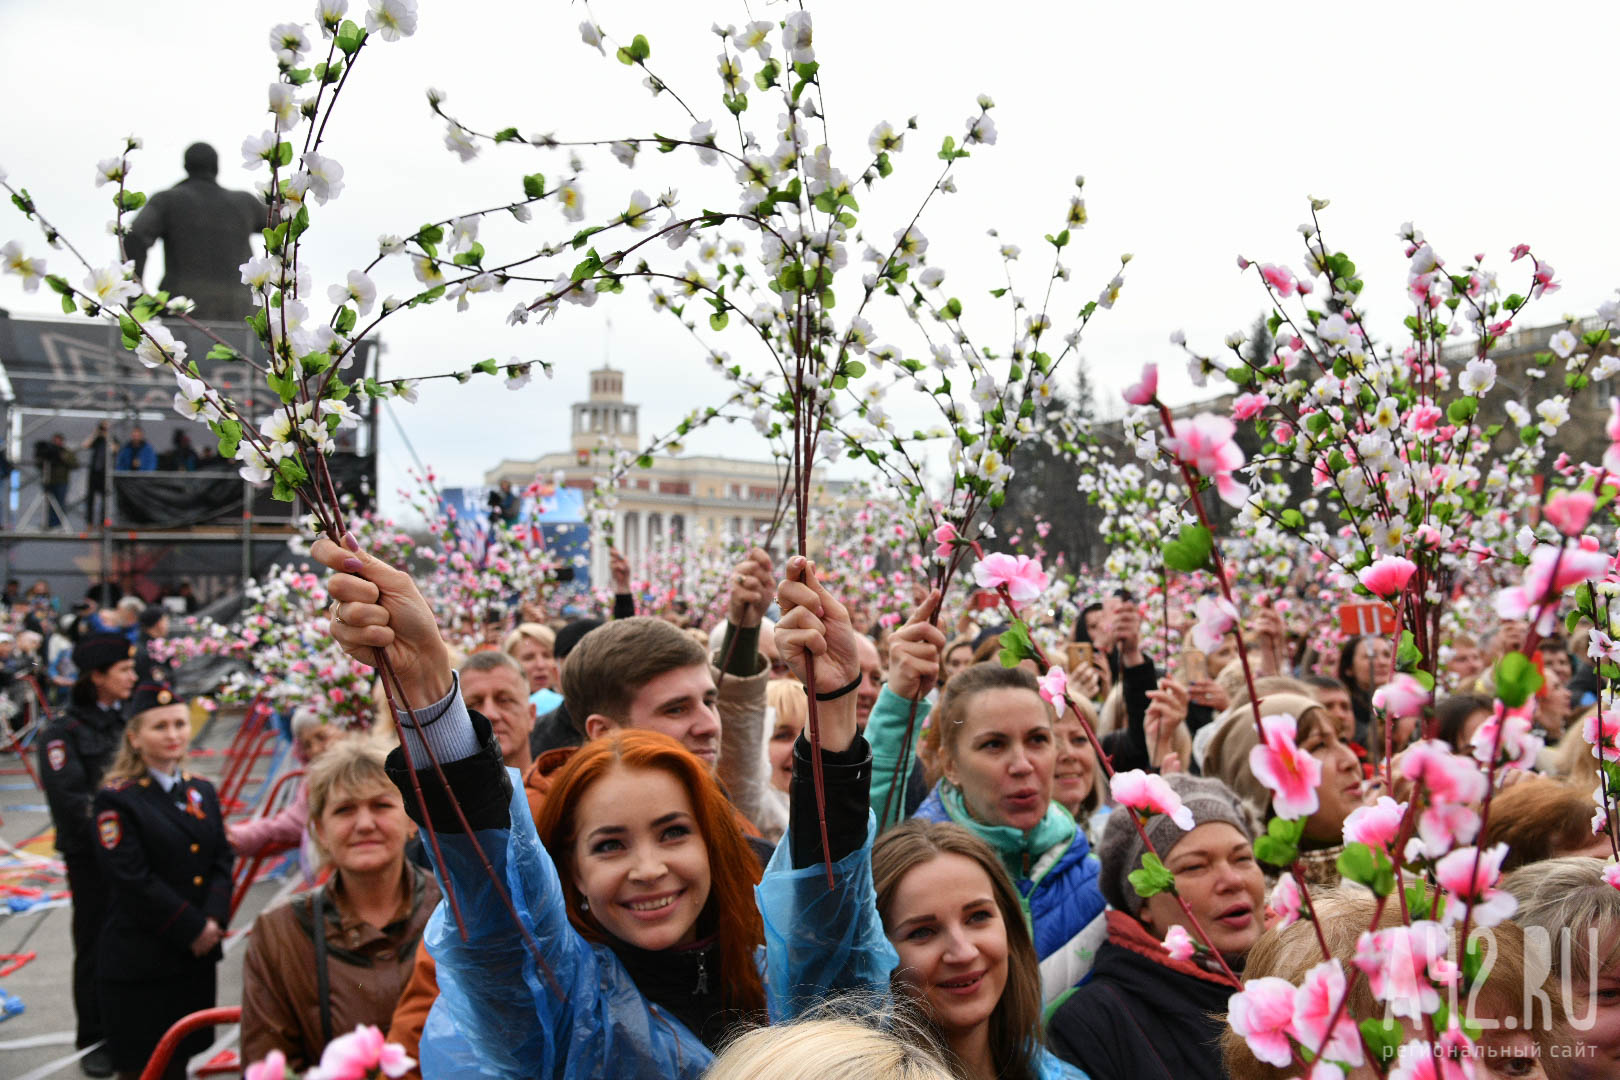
(494, 684)
(1334, 698)
(136, 455)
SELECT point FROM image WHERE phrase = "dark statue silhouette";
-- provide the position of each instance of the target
(206, 232)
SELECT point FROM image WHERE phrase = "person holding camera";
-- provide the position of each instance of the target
(56, 464)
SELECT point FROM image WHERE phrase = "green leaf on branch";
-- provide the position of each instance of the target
(129, 201)
(1407, 656)
(222, 352)
(1383, 1038)
(346, 319)
(289, 477)
(718, 320)
(1417, 901)
(534, 185)
(636, 52)
(506, 135)
(952, 308)
(1191, 550)
(285, 385)
(1367, 866)
(487, 367)
(349, 38)
(1517, 679)
(1292, 519)
(1016, 646)
(1153, 878)
(230, 437)
(1462, 410)
(1280, 844)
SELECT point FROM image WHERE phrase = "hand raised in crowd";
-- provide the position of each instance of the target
(619, 571)
(1167, 708)
(815, 624)
(752, 587)
(1268, 633)
(205, 941)
(1211, 693)
(1087, 678)
(375, 606)
(1124, 629)
(914, 651)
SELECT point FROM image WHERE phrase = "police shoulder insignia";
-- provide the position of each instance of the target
(110, 828)
(56, 754)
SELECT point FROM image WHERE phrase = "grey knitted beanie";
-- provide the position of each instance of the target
(1121, 848)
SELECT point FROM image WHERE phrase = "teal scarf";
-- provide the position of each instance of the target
(1019, 851)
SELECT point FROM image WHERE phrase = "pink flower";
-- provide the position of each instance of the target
(1262, 1012)
(1054, 687)
(273, 1067)
(1569, 511)
(1377, 826)
(1144, 389)
(1402, 965)
(889, 619)
(1387, 577)
(945, 538)
(1292, 775)
(1422, 1060)
(1424, 420)
(1022, 575)
(1216, 616)
(356, 1055)
(1611, 456)
(1401, 697)
(1286, 902)
(1468, 883)
(1282, 433)
(1551, 572)
(1508, 734)
(1248, 406)
(1448, 777)
(1611, 874)
(1178, 943)
(1279, 278)
(1315, 1004)
(1602, 733)
(1205, 444)
(1148, 793)
(1520, 251)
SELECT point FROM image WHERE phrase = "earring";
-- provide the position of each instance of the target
(584, 905)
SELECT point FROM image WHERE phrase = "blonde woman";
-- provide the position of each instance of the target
(828, 1049)
(533, 646)
(167, 863)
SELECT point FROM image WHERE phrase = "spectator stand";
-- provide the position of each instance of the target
(191, 518)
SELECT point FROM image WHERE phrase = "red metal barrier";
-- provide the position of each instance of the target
(247, 870)
(236, 775)
(159, 1062)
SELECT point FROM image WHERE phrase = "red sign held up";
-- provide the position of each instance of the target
(1367, 618)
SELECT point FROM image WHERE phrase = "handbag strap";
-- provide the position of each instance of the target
(323, 989)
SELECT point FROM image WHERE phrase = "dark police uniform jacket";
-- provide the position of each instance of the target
(74, 753)
(167, 865)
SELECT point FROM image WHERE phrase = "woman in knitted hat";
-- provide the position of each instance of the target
(1151, 1007)
(1340, 792)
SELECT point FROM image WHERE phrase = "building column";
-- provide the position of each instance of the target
(645, 537)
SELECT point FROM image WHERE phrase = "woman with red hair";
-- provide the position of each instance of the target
(638, 948)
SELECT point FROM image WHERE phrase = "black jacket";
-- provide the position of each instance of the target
(1141, 1015)
(74, 753)
(168, 869)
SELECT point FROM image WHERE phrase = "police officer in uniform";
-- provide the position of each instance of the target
(161, 840)
(74, 752)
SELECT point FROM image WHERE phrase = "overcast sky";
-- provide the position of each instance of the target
(1201, 129)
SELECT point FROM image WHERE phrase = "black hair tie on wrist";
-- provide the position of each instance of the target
(834, 695)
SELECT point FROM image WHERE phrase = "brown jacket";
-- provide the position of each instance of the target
(366, 969)
(410, 1017)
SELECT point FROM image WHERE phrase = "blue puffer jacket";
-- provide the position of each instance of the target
(1063, 901)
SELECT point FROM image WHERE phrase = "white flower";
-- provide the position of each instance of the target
(111, 285)
(931, 277)
(704, 133)
(572, 200)
(261, 271)
(257, 149)
(391, 19)
(1178, 337)
(885, 138)
(325, 177)
(406, 391)
(284, 106)
(458, 140)
(13, 261)
(518, 377)
(345, 413)
(981, 129)
(257, 469)
(797, 38)
(1563, 343)
(155, 342)
(591, 34)
(359, 289)
(111, 171)
(329, 13)
(1333, 330)
(1554, 414)
(638, 215)
(1477, 377)
(389, 244)
(427, 270)
(1110, 292)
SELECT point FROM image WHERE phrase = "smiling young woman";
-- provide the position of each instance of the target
(966, 956)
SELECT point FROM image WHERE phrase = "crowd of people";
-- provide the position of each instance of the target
(952, 896)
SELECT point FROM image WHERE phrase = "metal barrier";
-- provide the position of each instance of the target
(247, 870)
(159, 1062)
